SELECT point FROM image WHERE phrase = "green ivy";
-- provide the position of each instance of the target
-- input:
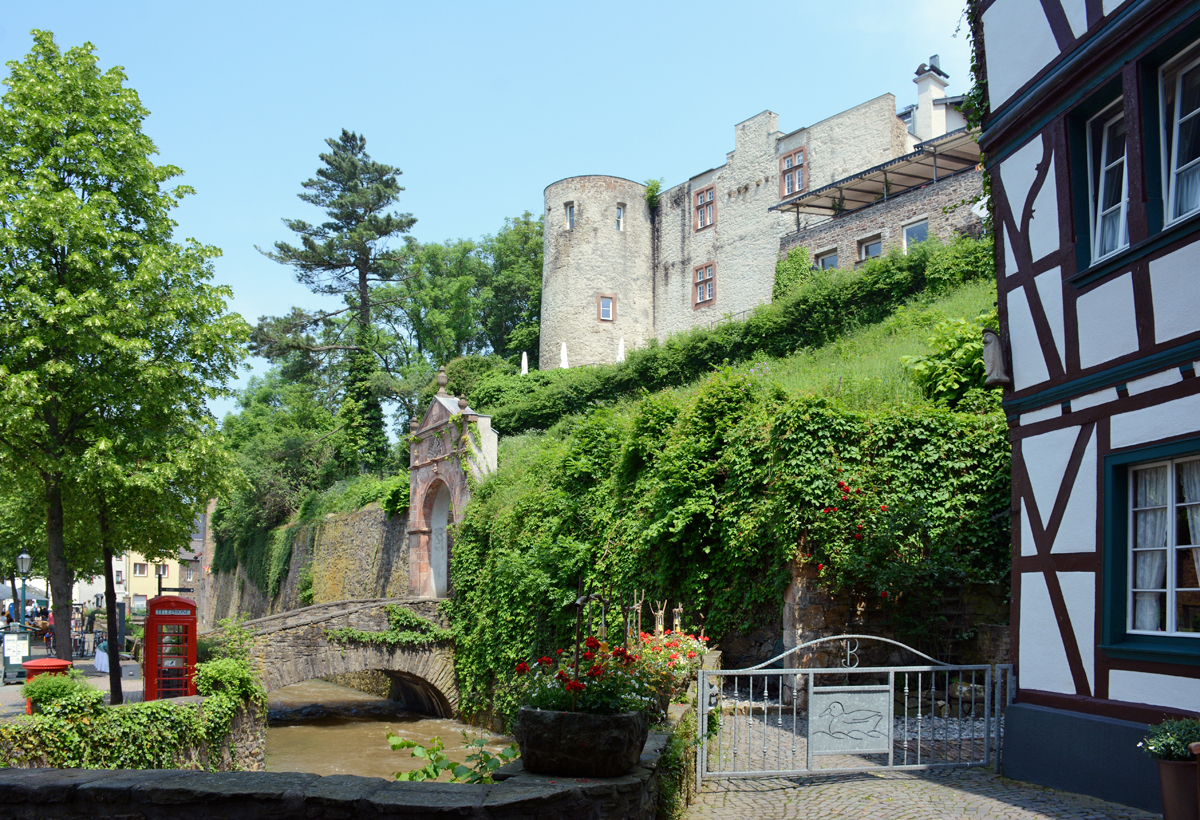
(705, 496)
(405, 628)
(677, 769)
(790, 273)
(955, 365)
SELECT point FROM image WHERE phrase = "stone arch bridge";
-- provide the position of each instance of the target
(292, 647)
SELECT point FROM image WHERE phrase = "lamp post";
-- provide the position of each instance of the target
(24, 564)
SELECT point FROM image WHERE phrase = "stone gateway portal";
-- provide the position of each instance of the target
(448, 441)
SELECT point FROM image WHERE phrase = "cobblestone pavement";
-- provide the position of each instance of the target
(945, 795)
(11, 702)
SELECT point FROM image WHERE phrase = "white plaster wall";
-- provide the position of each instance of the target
(1019, 44)
(1049, 288)
(1043, 223)
(1042, 658)
(1079, 594)
(1175, 289)
(1076, 11)
(1029, 366)
(1010, 259)
(1046, 458)
(1156, 690)
(591, 259)
(1107, 324)
(1094, 399)
(1018, 173)
(1163, 378)
(1077, 532)
(1172, 418)
(1053, 411)
(1028, 547)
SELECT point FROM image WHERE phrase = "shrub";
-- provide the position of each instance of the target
(791, 272)
(955, 366)
(1169, 740)
(46, 689)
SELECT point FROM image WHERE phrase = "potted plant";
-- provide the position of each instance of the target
(1168, 744)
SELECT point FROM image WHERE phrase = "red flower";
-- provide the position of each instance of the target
(587, 656)
(820, 567)
(704, 638)
(859, 491)
(592, 643)
(845, 498)
(562, 676)
(574, 686)
(860, 526)
(835, 509)
(656, 649)
(883, 507)
(858, 536)
(559, 652)
(544, 661)
(674, 656)
(596, 671)
(691, 654)
(522, 668)
(883, 594)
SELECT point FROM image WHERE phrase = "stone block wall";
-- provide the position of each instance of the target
(933, 202)
(354, 556)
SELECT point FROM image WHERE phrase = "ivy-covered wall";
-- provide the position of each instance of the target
(707, 496)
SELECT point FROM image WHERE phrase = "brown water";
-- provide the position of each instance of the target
(348, 744)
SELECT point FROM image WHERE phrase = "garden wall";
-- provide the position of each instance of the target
(359, 555)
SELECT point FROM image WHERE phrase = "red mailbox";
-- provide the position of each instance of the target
(169, 662)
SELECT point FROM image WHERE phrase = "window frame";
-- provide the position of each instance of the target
(612, 298)
(819, 259)
(866, 242)
(145, 573)
(1179, 64)
(620, 216)
(1116, 639)
(569, 215)
(704, 210)
(904, 232)
(162, 570)
(1108, 115)
(708, 282)
(118, 576)
(789, 164)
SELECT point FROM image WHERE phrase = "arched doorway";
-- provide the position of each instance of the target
(439, 547)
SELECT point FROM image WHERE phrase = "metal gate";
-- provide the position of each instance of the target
(774, 722)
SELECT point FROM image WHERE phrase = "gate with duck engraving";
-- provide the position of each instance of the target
(782, 719)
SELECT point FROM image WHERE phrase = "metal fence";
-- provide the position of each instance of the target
(773, 722)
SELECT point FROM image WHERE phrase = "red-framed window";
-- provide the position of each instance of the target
(705, 207)
(791, 173)
(704, 283)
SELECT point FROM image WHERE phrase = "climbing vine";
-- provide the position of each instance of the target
(405, 628)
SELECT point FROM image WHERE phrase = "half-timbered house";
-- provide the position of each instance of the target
(1093, 143)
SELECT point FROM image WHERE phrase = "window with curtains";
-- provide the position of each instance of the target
(1181, 133)
(1109, 186)
(1164, 554)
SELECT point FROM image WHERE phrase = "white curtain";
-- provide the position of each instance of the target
(1189, 486)
(1187, 191)
(1150, 568)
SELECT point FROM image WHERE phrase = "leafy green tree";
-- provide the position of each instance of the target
(346, 256)
(511, 288)
(107, 326)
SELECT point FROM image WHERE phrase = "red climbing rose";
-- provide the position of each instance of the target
(522, 668)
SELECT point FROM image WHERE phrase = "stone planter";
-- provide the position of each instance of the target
(573, 744)
(1178, 781)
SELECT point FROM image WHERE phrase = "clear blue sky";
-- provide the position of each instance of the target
(480, 104)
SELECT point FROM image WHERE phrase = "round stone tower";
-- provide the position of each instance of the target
(597, 277)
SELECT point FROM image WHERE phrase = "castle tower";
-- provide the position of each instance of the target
(597, 283)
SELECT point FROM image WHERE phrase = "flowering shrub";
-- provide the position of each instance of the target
(605, 682)
(670, 661)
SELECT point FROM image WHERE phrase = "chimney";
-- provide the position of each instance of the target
(929, 120)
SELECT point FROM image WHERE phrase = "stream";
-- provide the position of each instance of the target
(325, 728)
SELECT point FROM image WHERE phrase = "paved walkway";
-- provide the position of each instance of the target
(946, 795)
(11, 702)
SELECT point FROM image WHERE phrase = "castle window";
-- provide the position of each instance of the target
(1108, 181)
(570, 208)
(791, 173)
(827, 260)
(705, 284)
(620, 217)
(1181, 134)
(915, 232)
(606, 307)
(706, 209)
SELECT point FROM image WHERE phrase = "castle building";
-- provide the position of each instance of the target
(1093, 142)
(618, 273)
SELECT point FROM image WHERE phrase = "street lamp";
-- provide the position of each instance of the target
(24, 564)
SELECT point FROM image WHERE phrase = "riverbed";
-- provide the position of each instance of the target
(324, 728)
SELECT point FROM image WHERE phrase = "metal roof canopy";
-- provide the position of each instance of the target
(931, 161)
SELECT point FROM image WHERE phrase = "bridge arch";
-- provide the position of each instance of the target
(294, 646)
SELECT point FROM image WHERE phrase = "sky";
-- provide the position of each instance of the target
(481, 105)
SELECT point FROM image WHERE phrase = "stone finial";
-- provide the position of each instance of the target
(441, 381)
(462, 405)
(413, 424)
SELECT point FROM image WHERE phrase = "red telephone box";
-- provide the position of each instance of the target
(170, 655)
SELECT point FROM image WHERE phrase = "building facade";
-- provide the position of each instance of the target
(618, 273)
(1093, 142)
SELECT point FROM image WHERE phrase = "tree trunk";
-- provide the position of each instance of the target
(12, 583)
(60, 574)
(116, 693)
